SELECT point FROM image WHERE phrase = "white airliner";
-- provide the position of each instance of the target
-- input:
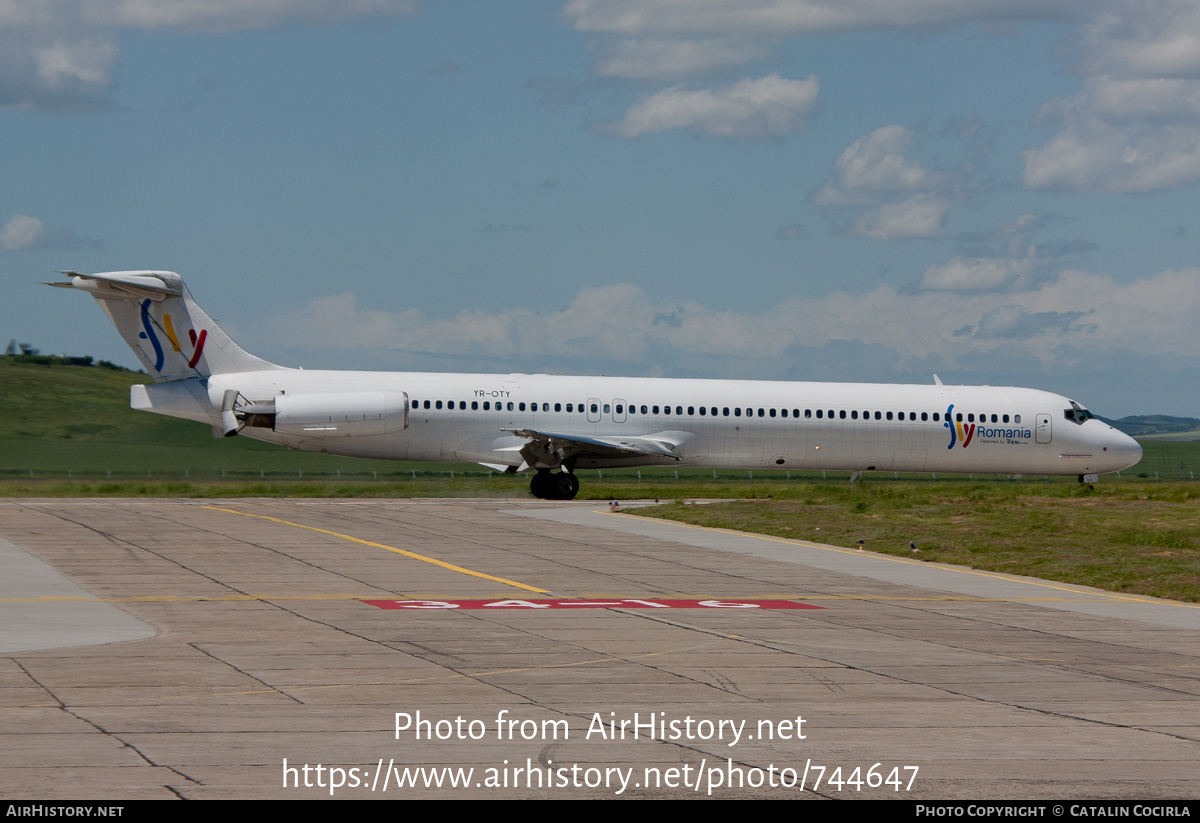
(553, 425)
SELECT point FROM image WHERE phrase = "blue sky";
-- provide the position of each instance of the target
(823, 189)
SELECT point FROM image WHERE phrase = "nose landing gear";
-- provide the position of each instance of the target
(554, 486)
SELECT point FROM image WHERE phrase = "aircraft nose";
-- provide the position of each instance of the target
(1123, 450)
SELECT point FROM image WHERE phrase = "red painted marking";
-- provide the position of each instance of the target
(970, 434)
(589, 604)
(199, 349)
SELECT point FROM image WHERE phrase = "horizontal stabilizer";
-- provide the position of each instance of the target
(123, 284)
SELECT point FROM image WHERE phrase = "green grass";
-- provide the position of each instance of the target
(1141, 538)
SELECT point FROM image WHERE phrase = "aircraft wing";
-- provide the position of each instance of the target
(551, 448)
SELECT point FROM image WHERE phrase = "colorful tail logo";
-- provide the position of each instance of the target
(957, 430)
(159, 357)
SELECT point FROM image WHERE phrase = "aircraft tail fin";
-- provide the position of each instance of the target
(173, 337)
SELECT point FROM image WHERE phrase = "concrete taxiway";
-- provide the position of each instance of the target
(156, 649)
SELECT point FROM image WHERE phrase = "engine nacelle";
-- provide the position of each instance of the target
(340, 414)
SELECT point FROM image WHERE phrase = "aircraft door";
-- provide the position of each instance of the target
(593, 409)
(1042, 433)
(619, 410)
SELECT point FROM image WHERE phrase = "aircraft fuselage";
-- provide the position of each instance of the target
(712, 423)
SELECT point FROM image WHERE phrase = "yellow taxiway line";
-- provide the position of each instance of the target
(406, 553)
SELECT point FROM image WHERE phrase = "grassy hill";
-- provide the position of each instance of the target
(65, 418)
(1158, 426)
(74, 421)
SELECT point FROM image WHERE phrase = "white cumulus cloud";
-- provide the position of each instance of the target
(873, 164)
(921, 215)
(62, 54)
(1119, 136)
(898, 197)
(675, 57)
(1143, 39)
(1155, 316)
(1134, 125)
(788, 17)
(770, 106)
(977, 273)
(21, 232)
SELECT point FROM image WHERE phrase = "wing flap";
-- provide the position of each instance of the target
(579, 445)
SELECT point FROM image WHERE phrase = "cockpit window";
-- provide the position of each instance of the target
(1077, 413)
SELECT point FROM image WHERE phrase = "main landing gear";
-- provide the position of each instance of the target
(556, 486)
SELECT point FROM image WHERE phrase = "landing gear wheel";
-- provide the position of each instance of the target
(558, 486)
(564, 486)
(542, 485)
